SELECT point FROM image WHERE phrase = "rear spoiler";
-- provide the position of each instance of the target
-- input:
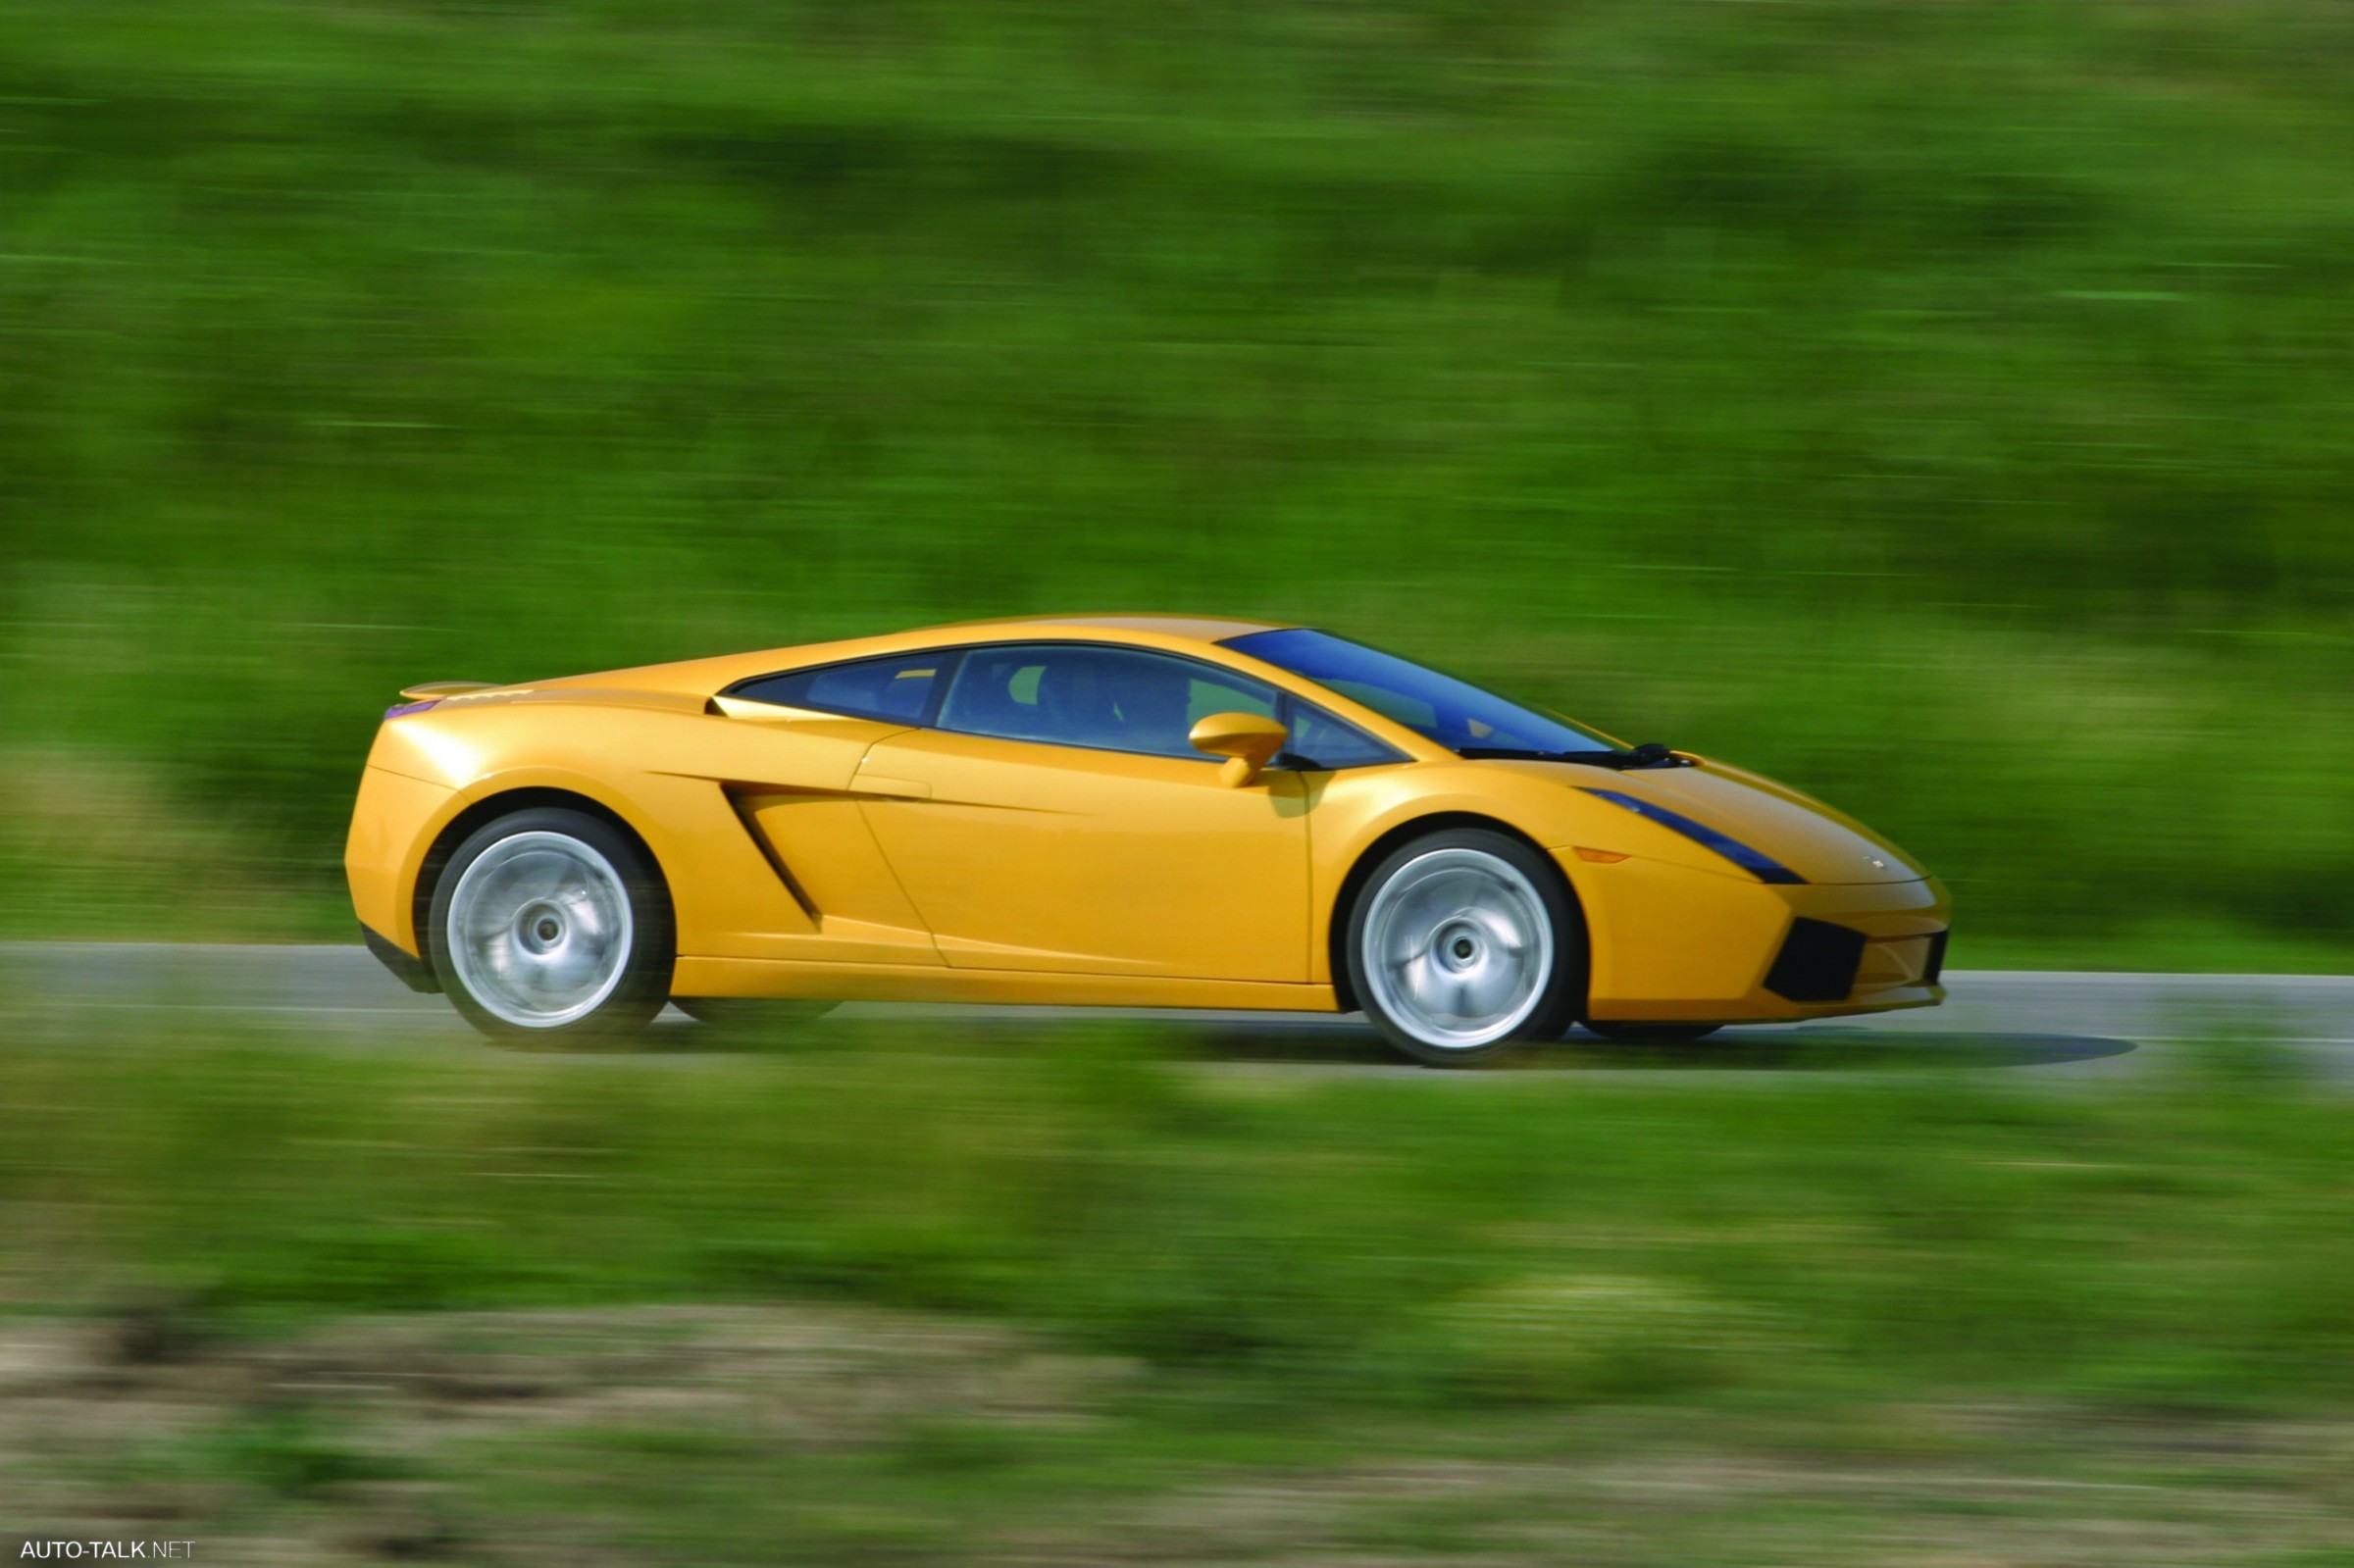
(435, 690)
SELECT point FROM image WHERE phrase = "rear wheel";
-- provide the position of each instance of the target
(1647, 1033)
(550, 922)
(1463, 943)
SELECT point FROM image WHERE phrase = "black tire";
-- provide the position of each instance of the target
(638, 982)
(1556, 990)
(750, 1012)
(1647, 1033)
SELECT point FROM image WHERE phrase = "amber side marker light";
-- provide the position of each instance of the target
(1599, 857)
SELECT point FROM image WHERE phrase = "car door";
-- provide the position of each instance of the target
(1056, 819)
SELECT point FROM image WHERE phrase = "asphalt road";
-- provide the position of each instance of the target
(2048, 1023)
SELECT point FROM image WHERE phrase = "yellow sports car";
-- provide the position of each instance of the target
(1131, 810)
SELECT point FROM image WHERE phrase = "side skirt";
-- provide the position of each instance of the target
(918, 983)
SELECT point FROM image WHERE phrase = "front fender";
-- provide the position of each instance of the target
(1356, 810)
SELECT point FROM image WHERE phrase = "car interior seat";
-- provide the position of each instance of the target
(1152, 697)
(1075, 702)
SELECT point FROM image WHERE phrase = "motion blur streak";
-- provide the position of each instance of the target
(1939, 407)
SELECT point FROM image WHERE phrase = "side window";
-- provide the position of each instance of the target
(898, 688)
(1321, 743)
(1109, 698)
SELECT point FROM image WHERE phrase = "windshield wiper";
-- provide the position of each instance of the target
(1651, 754)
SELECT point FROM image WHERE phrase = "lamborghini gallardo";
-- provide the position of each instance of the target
(1121, 810)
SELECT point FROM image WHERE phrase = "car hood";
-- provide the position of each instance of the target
(1821, 845)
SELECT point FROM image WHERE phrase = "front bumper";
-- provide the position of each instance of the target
(1669, 943)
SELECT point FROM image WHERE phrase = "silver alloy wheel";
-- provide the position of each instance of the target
(1457, 948)
(540, 929)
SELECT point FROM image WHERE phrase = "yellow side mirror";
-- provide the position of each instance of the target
(1247, 742)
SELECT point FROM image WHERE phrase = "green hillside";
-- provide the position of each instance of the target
(1943, 408)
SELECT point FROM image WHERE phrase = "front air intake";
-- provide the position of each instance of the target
(1934, 971)
(1818, 962)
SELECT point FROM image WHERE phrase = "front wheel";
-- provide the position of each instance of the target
(550, 922)
(1463, 943)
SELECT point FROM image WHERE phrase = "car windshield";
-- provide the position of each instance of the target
(1456, 714)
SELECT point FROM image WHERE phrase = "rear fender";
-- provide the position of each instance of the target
(394, 826)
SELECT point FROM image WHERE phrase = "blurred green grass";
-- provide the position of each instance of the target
(1073, 1283)
(2178, 1237)
(1939, 407)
